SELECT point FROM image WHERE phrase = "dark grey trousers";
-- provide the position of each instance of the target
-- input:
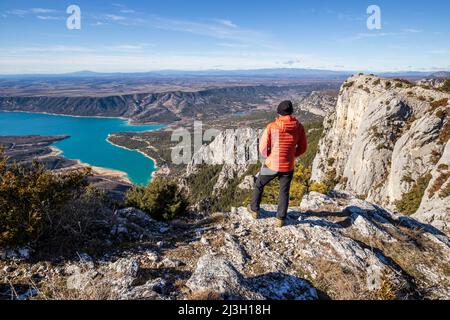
(266, 175)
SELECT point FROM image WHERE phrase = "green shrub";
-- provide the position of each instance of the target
(51, 213)
(161, 199)
(348, 84)
(410, 201)
(401, 82)
(319, 187)
(408, 179)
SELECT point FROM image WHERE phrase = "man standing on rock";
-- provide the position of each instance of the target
(282, 142)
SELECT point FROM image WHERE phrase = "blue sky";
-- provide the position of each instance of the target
(131, 36)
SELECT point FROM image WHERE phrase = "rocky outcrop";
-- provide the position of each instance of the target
(234, 149)
(431, 82)
(318, 102)
(383, 137)
(217, 276)
(337, 247)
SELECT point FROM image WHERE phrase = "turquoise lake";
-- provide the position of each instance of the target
(87, 141)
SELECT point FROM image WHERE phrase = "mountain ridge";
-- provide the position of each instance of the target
(266, 72)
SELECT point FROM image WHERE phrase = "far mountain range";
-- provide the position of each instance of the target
(265, 73)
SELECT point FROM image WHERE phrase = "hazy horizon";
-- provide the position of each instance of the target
(341, 72)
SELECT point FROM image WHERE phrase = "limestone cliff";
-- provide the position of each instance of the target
(318, 102)
(234, 149)
(384, 136)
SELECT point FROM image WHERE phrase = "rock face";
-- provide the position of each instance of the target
(432, 82)
(318, 103)
(234, 149)
(384, 135)
(216, 275)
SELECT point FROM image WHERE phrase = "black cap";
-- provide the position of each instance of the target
(285, 108)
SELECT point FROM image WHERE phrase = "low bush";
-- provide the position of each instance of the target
(348, 84)
(162, 199)
(52, 213)
(319, 187)
(410, 201)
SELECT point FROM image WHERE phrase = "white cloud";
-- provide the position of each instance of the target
(49, 18)
(226, 23)
(114, 17)
(411, 30)
(215, 29)
(17, 12)
(99, 23)
(41, 10)
(23, 12)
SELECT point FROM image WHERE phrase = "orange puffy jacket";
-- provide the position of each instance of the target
(282, 142)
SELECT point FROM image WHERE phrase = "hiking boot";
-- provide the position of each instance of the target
(255, 214)
(280, 223)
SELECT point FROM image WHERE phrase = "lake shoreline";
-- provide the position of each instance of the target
(135, 170)
(107, 172)
(137, 150)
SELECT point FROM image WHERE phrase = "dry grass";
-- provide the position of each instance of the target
(444, 135)
(438, 103)
(338, 283)
(55, 288)
(203, 295)
(386, 291)
(438, 183)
